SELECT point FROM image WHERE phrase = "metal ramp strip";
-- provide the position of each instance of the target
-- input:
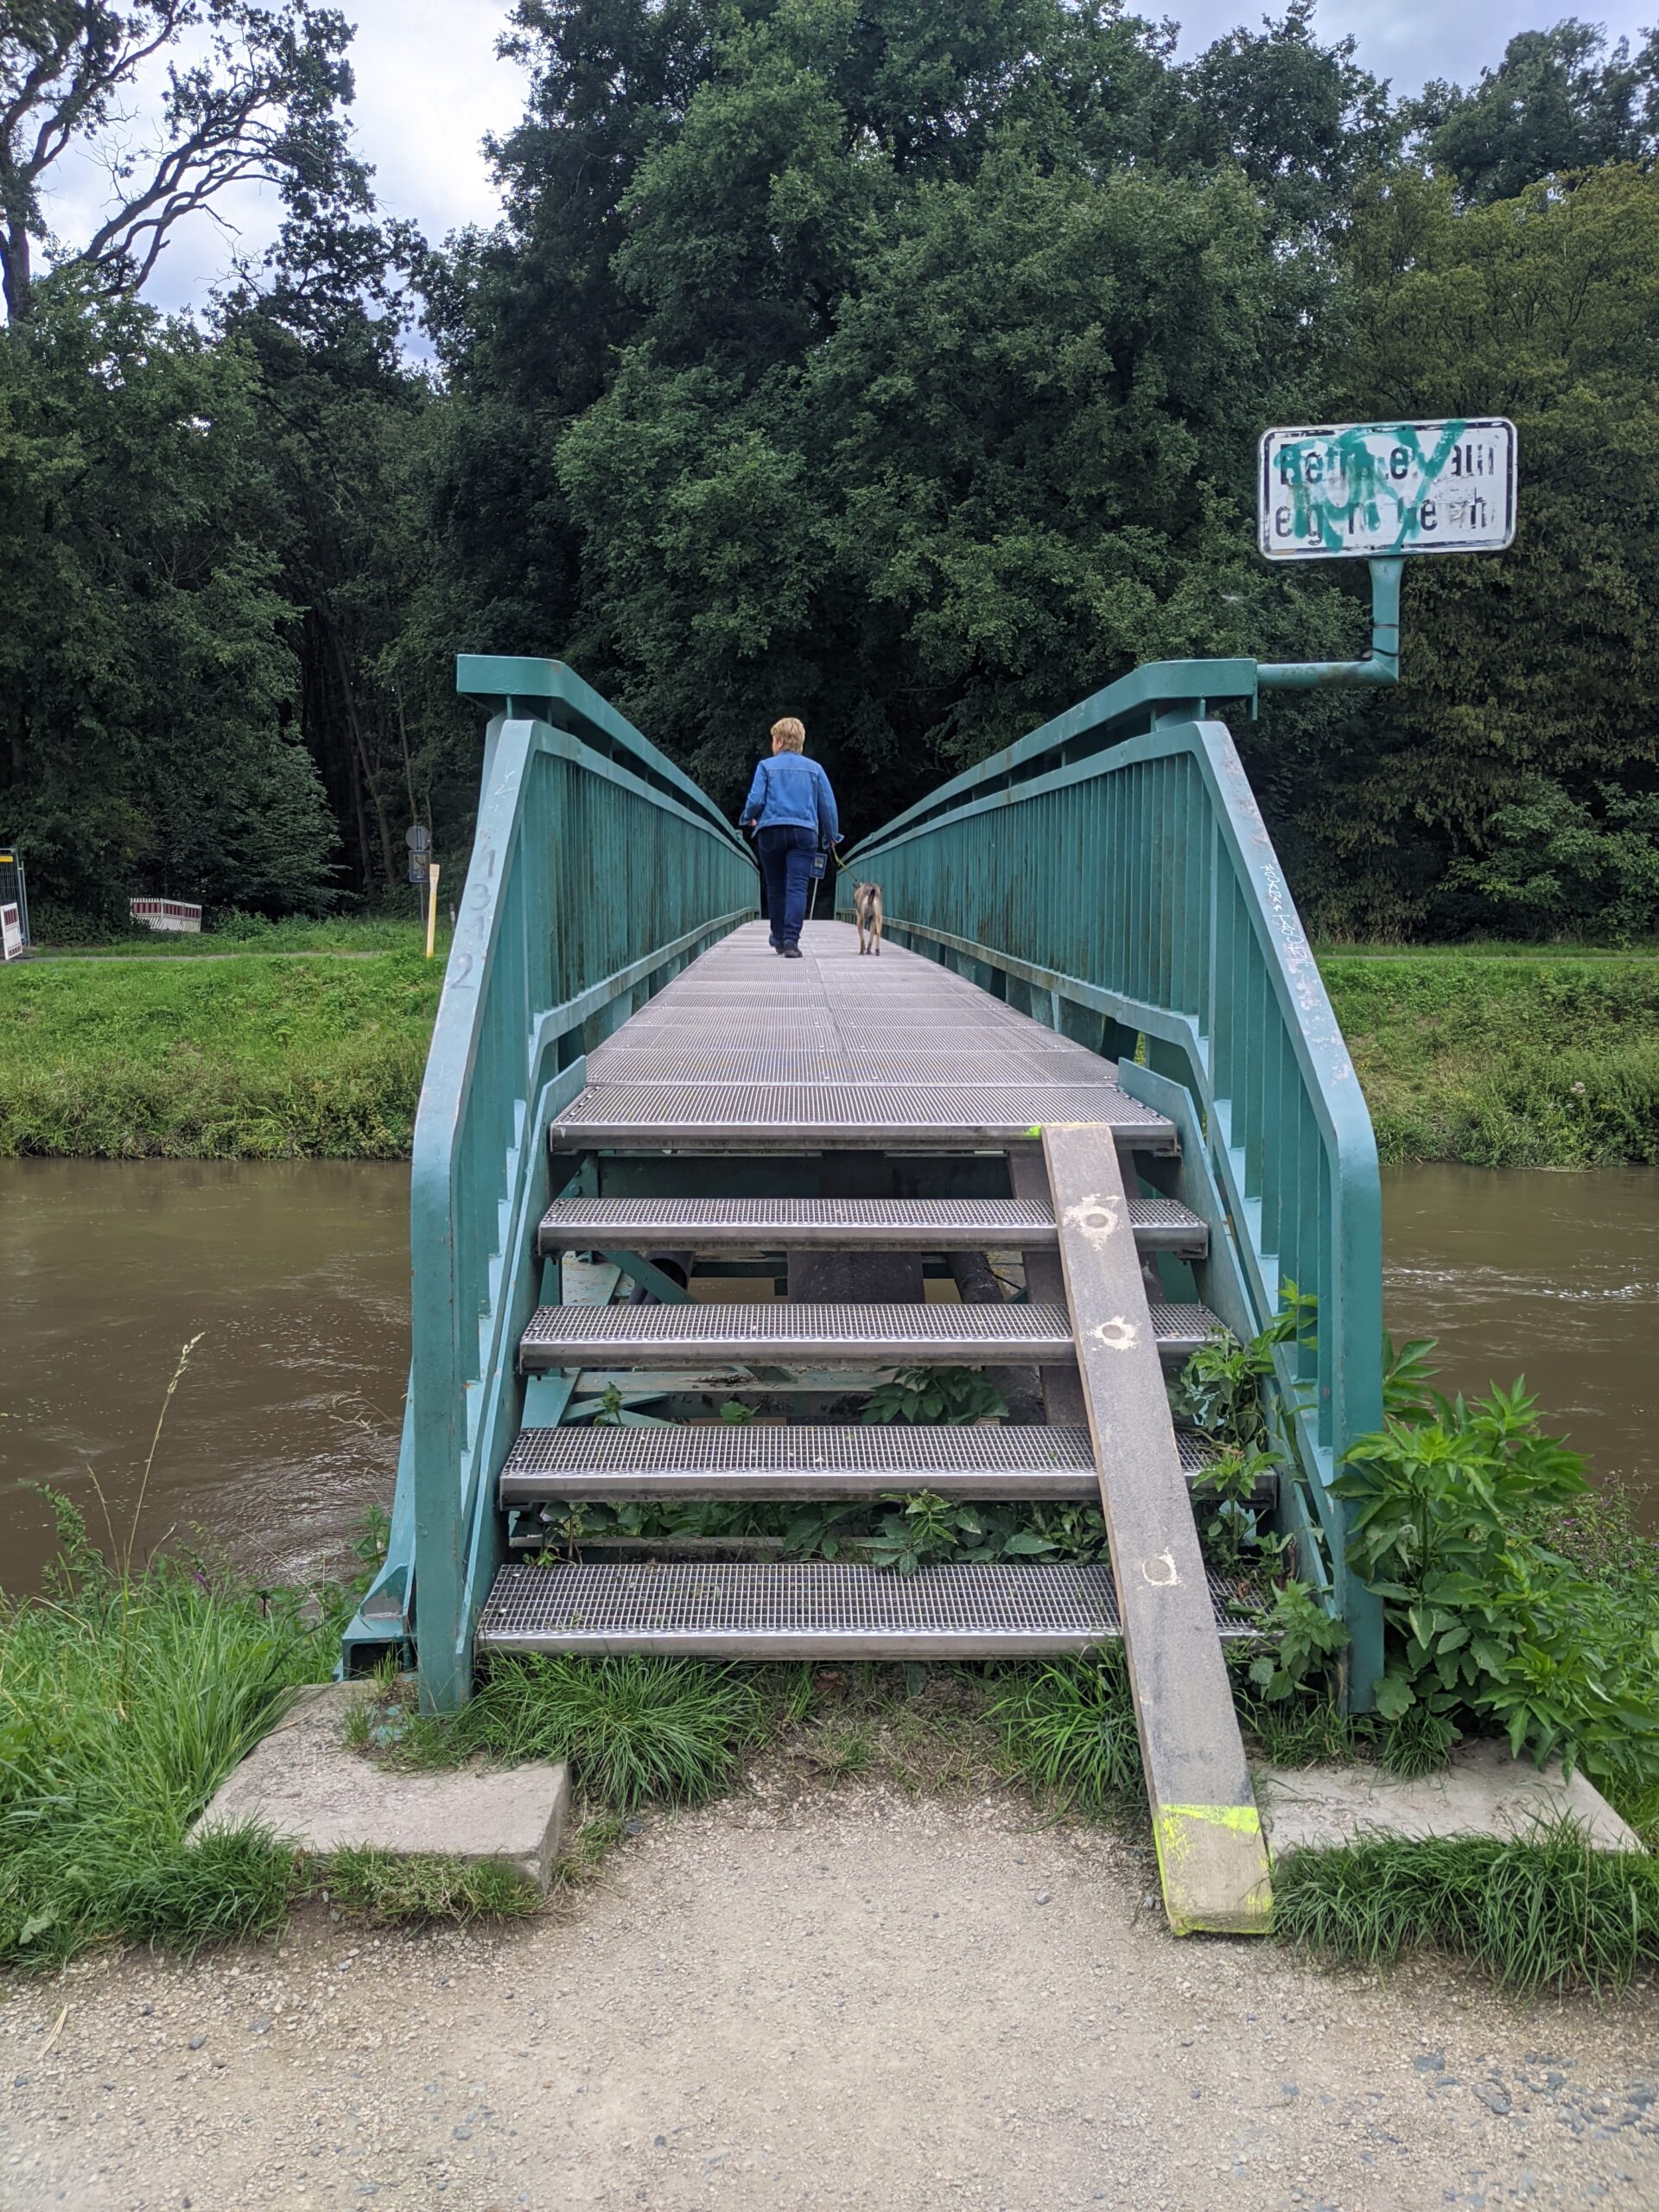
(1212, 1857)
(812, 1610)
(845, 1224)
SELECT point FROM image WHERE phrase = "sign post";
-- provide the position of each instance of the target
(1375, 490)
(418, 838)
(1382, 493)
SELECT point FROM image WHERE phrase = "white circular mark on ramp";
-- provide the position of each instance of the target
(1117, 1334)
(1097, 1215)
(1165, 1576)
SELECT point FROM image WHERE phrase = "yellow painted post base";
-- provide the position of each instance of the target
(1215, 1853)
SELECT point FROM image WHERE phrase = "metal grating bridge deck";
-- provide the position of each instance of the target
(898, 1335)
(844, 1224)
(748, 1053)
(737, 1610)
(629, 1465)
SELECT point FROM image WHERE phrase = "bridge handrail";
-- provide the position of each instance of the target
(547, 959)
(1125, 886)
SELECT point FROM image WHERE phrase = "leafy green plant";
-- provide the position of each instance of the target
(1219, 1390)
(1303, 1638)
(737, 1414)
(1070, 1730)
(954, 1396)
(1546, 1912)
(1487, 1625)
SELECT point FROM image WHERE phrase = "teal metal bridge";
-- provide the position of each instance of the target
(1098, 1014)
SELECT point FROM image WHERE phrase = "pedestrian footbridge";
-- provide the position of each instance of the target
(680, 1207)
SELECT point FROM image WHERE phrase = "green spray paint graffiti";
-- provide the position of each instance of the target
(1378, 489)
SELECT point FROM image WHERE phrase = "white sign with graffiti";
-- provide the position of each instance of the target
(1376, 489)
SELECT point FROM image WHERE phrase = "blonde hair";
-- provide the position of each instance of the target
(789, 734)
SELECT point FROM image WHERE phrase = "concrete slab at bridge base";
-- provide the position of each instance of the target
(1483, 1792)
(306, 1783)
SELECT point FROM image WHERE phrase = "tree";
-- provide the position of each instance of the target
(1305, 121)
(1541, 663)
(150, 738)
(260, 101)
(1558, 101)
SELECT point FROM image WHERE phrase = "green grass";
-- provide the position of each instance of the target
(427, 1885)
(248, 1058)
(1069, 1730)
(124, 1704)
(247, 934)
(632, 1728)
(1538, 1915)
(1537, 1061)
(1511, 1058)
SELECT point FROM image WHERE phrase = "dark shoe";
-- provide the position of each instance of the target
(792, 952)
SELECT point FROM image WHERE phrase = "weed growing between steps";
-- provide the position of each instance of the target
(1547, 1914)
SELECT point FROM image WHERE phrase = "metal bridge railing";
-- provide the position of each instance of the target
(1111, 874)
(598, 870)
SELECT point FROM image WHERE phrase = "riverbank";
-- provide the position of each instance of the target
(275, 1052)
(280, 1046)
(1542, 1060)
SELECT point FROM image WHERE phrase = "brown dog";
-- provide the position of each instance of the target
(867, 913)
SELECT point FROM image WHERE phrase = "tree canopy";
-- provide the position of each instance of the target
(896, 367)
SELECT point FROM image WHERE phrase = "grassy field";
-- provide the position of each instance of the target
(261, 1056)
(1506, 1060)
(308, 1038)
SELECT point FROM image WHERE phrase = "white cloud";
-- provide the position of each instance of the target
(1411, 40)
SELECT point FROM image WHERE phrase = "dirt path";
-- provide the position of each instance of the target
(858, 2001)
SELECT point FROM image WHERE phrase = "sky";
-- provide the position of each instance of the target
(430, 87)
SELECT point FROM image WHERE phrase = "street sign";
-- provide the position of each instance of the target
(418, 837)
(1371, 490)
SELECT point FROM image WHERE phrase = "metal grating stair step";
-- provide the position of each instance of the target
(844, 1224)
(740, 1610)
(629, 1465)
(904, 1336)
(828, 1115)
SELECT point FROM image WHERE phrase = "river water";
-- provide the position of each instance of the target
(294, 1276)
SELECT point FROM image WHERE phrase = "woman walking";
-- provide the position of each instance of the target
(793, 811)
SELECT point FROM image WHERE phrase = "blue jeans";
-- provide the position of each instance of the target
(786, 864)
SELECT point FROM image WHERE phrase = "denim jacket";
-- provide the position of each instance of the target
(789, 791)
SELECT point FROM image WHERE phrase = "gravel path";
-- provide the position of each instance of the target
(852, 2000)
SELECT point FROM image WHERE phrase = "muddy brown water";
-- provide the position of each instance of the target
(295, 1276)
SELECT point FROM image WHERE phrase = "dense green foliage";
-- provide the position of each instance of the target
(901, 367)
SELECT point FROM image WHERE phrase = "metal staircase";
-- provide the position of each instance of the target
(1096, 1047)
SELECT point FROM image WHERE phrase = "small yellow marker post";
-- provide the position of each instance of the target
(431, 908)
